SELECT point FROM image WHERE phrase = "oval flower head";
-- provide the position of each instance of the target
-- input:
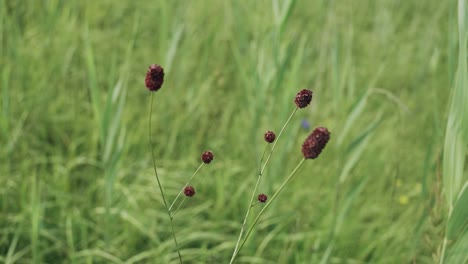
(303, 98)
(154, 78)
(315, 143)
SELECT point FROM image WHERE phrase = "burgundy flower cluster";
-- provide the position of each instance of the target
(189, 191)
(262, 198)
(154, 78)
(207, 156)
(315, 143)
(269, 136)
(303, 98)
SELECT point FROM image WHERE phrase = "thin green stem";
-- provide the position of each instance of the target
(249, 231)
(335, 208)
(261, 159)
(178, 207)
(185, 185)
(159, 182)
(249, 207)
(277, 139)
(260, 173)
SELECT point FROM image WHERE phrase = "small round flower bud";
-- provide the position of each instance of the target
(154, 77)
(270, 137)
(207, 156)
(303, 98)
(189, 191)
(315, 143)
(262, 198)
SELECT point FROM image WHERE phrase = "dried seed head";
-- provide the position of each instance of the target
(189, 191)
(262, 198)
(270, 137)
(154, 77)
(303, 98)
(315, 143)
(207, 156)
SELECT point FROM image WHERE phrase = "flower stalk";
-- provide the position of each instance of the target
(159, 182)
(249, 231)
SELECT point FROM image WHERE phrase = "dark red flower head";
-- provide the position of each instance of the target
(189, 191)
(303, 98)
(262, 198)
(154, 77)
(270, 137)
(207, 156)
(315, 143)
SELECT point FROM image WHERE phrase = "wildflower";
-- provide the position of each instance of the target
(270, 137)
(154, 77)
(315, 143)
(262, 198)
(189, 191)
(303, 98)
(207, 156)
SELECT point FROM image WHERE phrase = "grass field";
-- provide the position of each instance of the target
(76, 176)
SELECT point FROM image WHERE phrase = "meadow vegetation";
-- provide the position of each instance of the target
(76, 177)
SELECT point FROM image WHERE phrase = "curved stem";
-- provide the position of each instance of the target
(185, 185)
(159, 182)
(277, 139)
(260, 173)
(265, 207)
(249, 207)
(178, 207)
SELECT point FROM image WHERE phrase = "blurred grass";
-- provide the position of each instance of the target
(77, 183)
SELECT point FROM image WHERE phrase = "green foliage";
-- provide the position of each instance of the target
(455, 153)
(458, 220)
(77, 183)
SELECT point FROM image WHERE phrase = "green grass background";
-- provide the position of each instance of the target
(77, 183)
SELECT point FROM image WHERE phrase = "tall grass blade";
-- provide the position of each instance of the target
(112, 117)
(357, 147)
(459, 217)
(352, 194)
(341, 216)
(357, 110)
(36, 219)
(10, 255)
(113, 144)
(5, 118)
(456, 139)
(177, 36)
(456, 136)
(282, 12)
(458, 251)
(93, 85)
